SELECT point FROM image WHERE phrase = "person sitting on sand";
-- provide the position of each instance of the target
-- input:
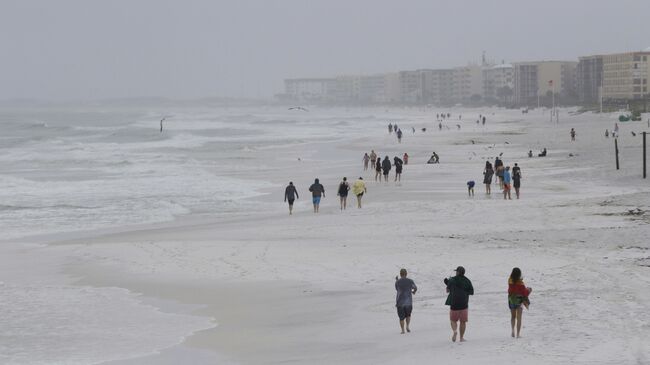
(434, 158)
(543, 153)
(405, 288)
(517, 296)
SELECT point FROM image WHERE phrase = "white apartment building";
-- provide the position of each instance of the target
(310, 89)
(467, 81)
(499, 82)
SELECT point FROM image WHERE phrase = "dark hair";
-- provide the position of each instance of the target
(515, 276)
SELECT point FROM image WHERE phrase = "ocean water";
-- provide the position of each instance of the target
(67, 168)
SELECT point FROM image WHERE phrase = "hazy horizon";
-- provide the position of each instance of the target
(75, 49)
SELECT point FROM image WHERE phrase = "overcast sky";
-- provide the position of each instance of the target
(87, 49)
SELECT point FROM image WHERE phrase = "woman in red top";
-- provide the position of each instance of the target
(517, 295)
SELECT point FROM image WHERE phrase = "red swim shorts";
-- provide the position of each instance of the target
(458, 315)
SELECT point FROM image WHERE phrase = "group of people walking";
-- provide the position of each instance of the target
(505, 178)
(383, 167)
(317, 191)
(459, 288)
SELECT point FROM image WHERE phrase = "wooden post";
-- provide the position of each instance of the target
(644, 157)
(616, 150)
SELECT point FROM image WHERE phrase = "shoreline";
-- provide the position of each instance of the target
(340, 307)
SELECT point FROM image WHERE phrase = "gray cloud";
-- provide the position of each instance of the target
(96, 49)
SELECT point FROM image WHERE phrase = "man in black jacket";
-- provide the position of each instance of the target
(459, 288)
(290, 194)
(386, 166)
(317, 190)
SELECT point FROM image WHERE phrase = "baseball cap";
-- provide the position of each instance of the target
(460, 270)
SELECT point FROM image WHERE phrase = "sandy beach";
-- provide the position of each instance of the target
(254, 285)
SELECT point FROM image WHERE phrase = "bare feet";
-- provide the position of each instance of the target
(401, 333)
(462, 339)
(512, 334)
(408, 329)
(518, 336)
(453, 338)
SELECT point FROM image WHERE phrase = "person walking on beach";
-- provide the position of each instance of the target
(366, 159)
(373, 158)
(459, 288)
(573, 135)
(317, 191)
(290, 194)
(440, 126)
(484, 120)
(406, 158)
(516, 179)
(358, 189)
(517, 296)
(386, 166)
(398, 168)
(615, 134)
(390, 128)
(405, 288)
(507, 183)
(606, 133)
(344, 187)
(378, 169)
(399, 136)
(498, 168)
(487, 177)
(470, 187)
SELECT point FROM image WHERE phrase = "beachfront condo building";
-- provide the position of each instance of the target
(310, 89)
(589, 79)
(467, 83)
(626, 75)
(499, 83)
(436, 86)
(535, 82)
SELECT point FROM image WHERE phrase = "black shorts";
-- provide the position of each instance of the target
(404, 312)
(291, 201)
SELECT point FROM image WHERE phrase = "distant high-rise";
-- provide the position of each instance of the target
(498, 83)
(626, 75)
(539, 80)
(310, 89)
(589, 79)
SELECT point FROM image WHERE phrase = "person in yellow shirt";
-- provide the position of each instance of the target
(358, 189)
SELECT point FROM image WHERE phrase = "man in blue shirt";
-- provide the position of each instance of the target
(507, 183)
(404, 301)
